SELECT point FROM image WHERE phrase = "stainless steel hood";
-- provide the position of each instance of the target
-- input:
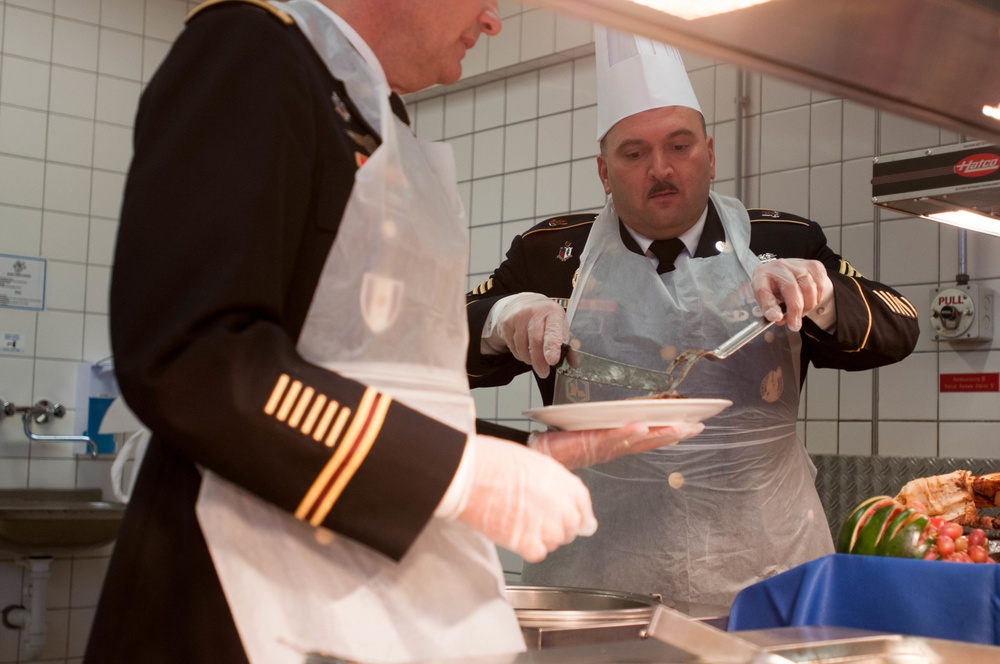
(935, 61)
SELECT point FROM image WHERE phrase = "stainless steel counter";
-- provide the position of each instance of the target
(799, 644)
(795, 644)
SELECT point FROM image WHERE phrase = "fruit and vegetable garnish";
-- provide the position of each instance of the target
(917, 523)
(880, 526)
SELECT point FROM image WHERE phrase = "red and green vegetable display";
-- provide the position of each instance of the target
(881, 526)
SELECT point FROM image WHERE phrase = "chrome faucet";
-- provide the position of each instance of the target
(40, 414)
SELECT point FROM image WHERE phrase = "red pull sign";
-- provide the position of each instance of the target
(970, 382)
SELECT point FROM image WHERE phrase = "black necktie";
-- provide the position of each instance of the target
(667, 251)
(399, 108)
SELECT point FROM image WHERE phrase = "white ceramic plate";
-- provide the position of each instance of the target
(613, 414)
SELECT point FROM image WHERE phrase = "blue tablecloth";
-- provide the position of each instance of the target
(957, 601)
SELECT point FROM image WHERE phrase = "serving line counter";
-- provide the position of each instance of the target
(844, 609)
(828, 645)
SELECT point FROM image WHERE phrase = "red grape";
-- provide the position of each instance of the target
(952, 530)
(945, 546)
(978, 553)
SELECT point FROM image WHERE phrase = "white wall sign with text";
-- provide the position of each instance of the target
(22, 282)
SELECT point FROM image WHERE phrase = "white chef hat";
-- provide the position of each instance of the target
(636, 74)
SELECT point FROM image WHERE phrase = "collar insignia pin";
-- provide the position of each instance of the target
(565, 252)
(365, 141)
(341, 107)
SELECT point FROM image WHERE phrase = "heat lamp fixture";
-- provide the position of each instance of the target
(692, 9)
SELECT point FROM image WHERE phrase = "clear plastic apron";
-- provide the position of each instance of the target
(700, 520)
(388, 311)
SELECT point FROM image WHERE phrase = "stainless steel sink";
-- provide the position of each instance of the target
(50, 521)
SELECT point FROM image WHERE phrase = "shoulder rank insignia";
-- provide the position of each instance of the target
(849, 270)
(565, 252)
(483, 288)
(773, 214)
(766, 258)
(558, 221)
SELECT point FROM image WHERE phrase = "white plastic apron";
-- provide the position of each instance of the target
(700, 520)
(388, 311)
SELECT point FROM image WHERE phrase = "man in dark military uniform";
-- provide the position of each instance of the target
(875, 324)
(670, 266)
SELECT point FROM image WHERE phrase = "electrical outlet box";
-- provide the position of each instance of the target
(962, 313)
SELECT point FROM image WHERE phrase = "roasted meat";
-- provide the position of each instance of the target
(956, 497)
(986, 490)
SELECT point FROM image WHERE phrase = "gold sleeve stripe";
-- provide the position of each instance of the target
(362, 447)
(909, 307)
(324, 421)
(290, 397)
(338, 426)
(313, 415)
(868, 331)
(279, 389)
(899, 305)
(300, 407)
(348, 457)
(885, 297)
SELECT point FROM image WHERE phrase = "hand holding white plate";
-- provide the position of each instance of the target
(614, 414)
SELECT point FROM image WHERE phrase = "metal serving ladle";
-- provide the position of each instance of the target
(578, 364)
(682, 364)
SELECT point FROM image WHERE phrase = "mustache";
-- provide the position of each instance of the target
(662, 186)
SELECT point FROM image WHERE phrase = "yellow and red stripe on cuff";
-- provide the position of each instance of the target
(324, 419)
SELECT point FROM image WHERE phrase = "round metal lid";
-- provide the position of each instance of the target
(551, 606)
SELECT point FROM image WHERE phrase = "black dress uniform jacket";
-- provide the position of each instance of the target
(245, 154)
(875, 324)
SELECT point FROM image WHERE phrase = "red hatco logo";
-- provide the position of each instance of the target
(978, 165)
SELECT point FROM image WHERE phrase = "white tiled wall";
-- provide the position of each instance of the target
(521, 123)
(70, 76)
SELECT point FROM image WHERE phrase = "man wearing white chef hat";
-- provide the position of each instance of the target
(700, 520)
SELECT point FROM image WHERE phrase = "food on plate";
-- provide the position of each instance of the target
(956, 497)
(660, 395)
(887, 526)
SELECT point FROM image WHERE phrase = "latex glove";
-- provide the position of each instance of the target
(802, 285)
(522, 500)
(578, 449)
(531, 327)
